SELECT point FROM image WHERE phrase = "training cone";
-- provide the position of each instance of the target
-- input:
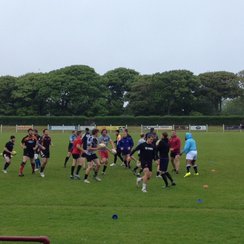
(115, 216)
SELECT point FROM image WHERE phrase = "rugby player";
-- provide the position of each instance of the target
(29, 145)
(92, 159)
(118, 152)
(77, 151)
(147, 155)
(175, 144)
(7, 153)
(163, 148)
(70, 146)
(125, 145)
(103, 152)
(37, 151)
(190, 149)
(45, 143)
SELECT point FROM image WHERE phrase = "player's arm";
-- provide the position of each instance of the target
(22, 144)
(112, 144)
(139, 147)
(186, 148)
(6, 149)
(80, 147)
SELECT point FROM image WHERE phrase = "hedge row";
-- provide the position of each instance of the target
(122, 120)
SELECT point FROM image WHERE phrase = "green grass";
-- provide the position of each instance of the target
(72, 212)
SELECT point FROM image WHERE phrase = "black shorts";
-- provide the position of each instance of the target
(164, 164)
(70, 147)
(84, 155)
(125, 152)
(28, 153)
(146, 165)
(91, 157)
(45, 154)
(76, 156)
(174, 154)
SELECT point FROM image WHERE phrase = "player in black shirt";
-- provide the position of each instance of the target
(8, 152)
(45, 143)
(163, 151)
(37, 151)
(147, 155)
(29, 145)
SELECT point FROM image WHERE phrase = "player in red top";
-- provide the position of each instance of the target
(77, 151)
(175, 145)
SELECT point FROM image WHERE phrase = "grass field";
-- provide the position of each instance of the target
(70, 211)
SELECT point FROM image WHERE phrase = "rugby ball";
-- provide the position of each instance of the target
(14, 152)
(102, 145)
(113, 151)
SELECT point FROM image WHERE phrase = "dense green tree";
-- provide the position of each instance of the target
(118, 82)
(218, 86)
(7, 101)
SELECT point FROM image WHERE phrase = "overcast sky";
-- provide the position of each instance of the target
(146, 35)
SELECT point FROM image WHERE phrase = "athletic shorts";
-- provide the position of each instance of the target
(164, 164)
(174, 154)
(75, 156)
(28, 153)
(91, 157)
(125, 152)
(45, 154)
(146, 165)
(103, 154)
(84, 155)
(70, 147)
(7, 156)
(192, 155)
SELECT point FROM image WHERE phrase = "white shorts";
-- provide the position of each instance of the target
(192, 155)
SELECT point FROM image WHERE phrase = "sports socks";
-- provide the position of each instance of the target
(65, 161)
(78, 169)
(165, 179)
(188, 166)
(195, 168)
(6, 165)
(72, 170)
(104, 168)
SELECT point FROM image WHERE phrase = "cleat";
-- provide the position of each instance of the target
(71, 177)
(144, 190)
(187, 174)
(138, 181)
(36, 169)
(158, 176)
(196, 174)
(97, 178)
(87, 181)
(173, 184)
(42, 174)
(21, 175)
(77, 177)
(5, 171)
(112, 164)
(103, 173)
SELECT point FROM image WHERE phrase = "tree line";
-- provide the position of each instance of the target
(79, 90)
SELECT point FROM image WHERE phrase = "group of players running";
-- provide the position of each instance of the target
(150, 148)
(84, 147)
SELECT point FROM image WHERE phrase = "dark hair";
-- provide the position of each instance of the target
(78, 132)
(35, 130)
(150, 136)
(12, 137)
(117, 131)
(151, 129)
(44, 130)
(29, 130)
(103, 130)
(126, 130)
(165, 134)
(94, 131)
(142, 135)
(87, 129)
